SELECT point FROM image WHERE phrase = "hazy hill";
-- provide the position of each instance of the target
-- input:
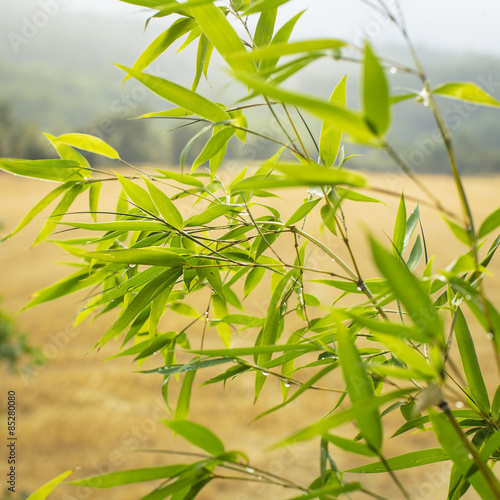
(61, 79)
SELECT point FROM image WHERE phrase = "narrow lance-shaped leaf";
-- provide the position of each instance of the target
(398, 236)
(466, 91)
(61, 208)
(43, 203)
(137, 195)
(358, 386)
(167, 209)
(213, 146)
(329, 142)
(198, 435)
(180, 96)
(459, 453)
(131, 476)
(472, 370)
(375, 93)
(49, 170)
(161, 43)
(221, 34)
(88, 143)
(346, 120)
(406, 461)
(408, 290)
(43, 492)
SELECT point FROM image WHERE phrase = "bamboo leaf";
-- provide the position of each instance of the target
(472, 370)
(131, 476)
(43, 203)
(344, 119)
(398, 236)
(161, 43)
(49, 170)
(165, 206)
(359, 386)
(184, 399)
(329, 142)
(221, 34)
(198, 435)
(180, 96)
(490, 224)
(88, 143)
(408, 290)
(137, 195)
(466, 91)
(43, 492)
(217, 142)
(302, 212)
(406, 461)
(375, 93)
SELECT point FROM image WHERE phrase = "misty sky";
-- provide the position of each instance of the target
(455, 25)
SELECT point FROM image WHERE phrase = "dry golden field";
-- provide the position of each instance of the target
(89, 413)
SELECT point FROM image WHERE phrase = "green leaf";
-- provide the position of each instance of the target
(70, 284)
(62, 207)
(94, 192)
(151, 256)
(359, 409)
(329, 141)
(139, 196)
(161, 43)
(221, 34)
(359, 386)
(281, 37)
(406, 461)
(67, 152)
(490, 223)
(43, 203)
(277, 50)
(466, 91)
(472, 370)
(217, 142)
(140, 301)
(184, 399)
(459, 453)
(262, 5)
(180, 96)
(43, 492)
(408, 290)
(122, 225)
(210, 214)
(415, 254)
(399, 233)
(49, 170)
(88, 143)
(350, 446)
(375, 93)
(331, 491)
(198, 435)
(265, 27)
(301, 175)
(131, 476)
(395, 329)
(182, 178)
(344, 119)
(165, 206)
(411, 224)
(462, 234)
(302, 211)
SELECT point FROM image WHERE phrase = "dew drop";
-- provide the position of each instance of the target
(393, 70)
(155, 353)
(250, 470)
(259, 477)
(459, 404)
(287, 384)
(333, 260)
(265, 374)
(442, 278)
(359, 289)
(132, 265)
(468, 297)
(207, 319)
(469, 456)
(489, 336)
